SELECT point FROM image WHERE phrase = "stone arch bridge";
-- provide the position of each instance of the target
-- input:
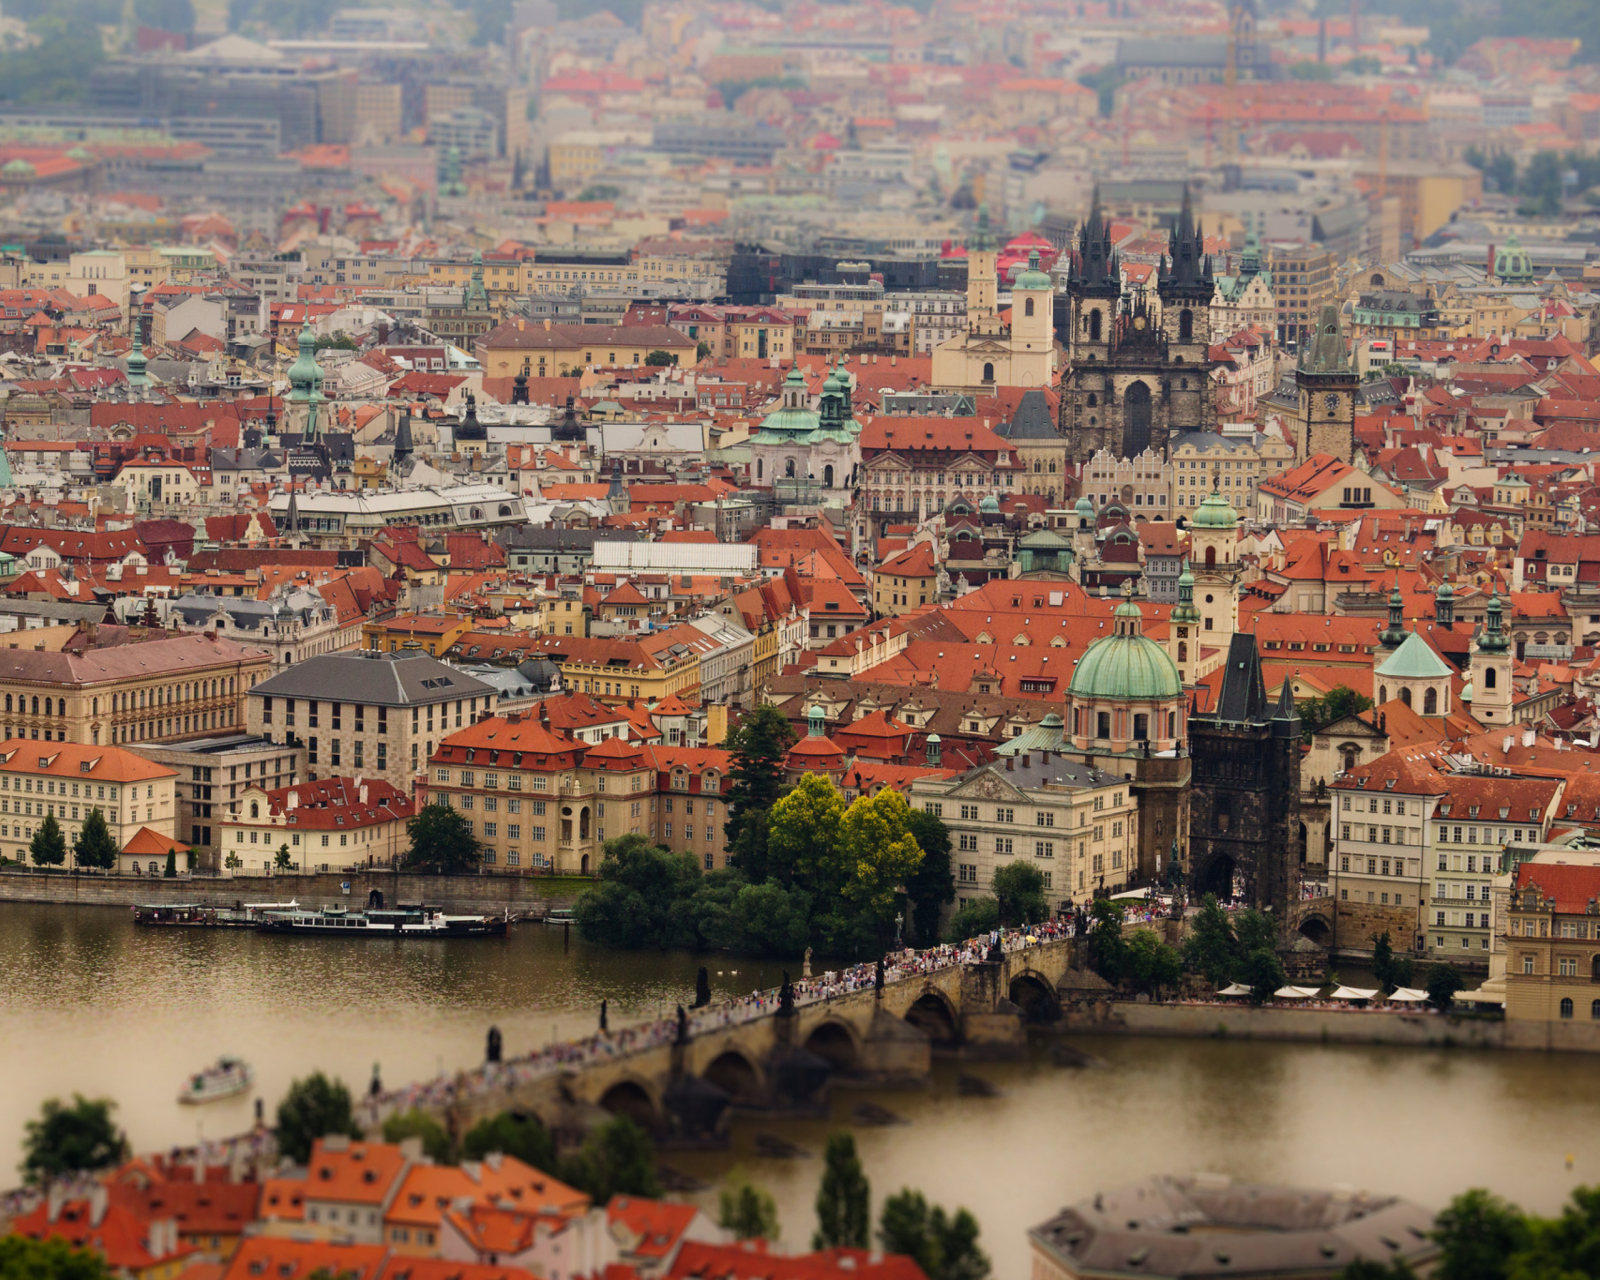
(787, 1062)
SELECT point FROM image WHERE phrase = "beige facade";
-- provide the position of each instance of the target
(148, 691)
(67, 781)
(331, 825)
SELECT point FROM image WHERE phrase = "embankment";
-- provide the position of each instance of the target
(489, 895)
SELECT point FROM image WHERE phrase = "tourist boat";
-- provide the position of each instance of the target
(559, 915)
(415, 921)
(225, 1078)
(196, 915)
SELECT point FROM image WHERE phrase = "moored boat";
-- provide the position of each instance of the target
(415, 921)
(223, 1079)
(197, 915)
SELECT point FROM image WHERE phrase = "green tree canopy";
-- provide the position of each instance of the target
(878, 852)
(803, 833)
(746, 1209)
(1477, 1235)
(171, 872)
(617, 1159)
(1261, 971)
(643, 898)
(1442, 983)
(945, 1247)
(442, 842)
(1019, 894)
(25, 1259)
(844, 1199)
(76, 1139)
(755, 777)
(512, 1133)
(94, 845)
(1150, 965)
(313, 1108)
(1106, 948)
(1211, 949)
(1389, 969)
(48, 847)
(659, 359)
(933, 885)
(980, 916)
(436, 1143)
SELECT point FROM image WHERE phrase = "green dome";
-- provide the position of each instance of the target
(1033, 278)
(1215, 513)
(1445, 592)
(1085, 508)
(1413, 660)
(1126, 666)
(18, 168)
(989, 503)
(1512, 262)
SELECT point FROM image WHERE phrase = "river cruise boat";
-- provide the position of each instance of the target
(197, 915)
(400, 922)
(225, 1078)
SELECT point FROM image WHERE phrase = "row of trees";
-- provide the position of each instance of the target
(94, 846)
(805, 869)
(1543, 183)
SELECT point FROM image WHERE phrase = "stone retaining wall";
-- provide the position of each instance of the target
(1321, 1026)
(490, 895)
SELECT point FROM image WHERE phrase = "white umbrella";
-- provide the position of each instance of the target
(1295, 993)
(1234, 989)
(1352, 993)
(1408, 995)
(1481, 996)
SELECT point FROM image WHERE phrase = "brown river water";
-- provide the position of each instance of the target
(90, 1004)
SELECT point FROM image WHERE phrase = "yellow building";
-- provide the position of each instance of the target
(994, 351)
(549, 349)
(653, 667)
(430, 632)
(906, 582)
(67, 781)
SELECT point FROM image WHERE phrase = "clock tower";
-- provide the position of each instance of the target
(1326, 420)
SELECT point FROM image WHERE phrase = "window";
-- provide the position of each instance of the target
(1566, 1008)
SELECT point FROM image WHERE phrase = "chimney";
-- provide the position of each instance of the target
(1488, 266)
(292, 801)
(362, 792)
(522, 325)
(1010, 763)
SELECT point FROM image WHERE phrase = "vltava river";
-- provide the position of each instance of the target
(90, 1004)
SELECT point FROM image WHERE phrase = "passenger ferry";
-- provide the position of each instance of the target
(402, 922)
(197, 915)
(225, 1078)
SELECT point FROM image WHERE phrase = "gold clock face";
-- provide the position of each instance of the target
(1138, 322)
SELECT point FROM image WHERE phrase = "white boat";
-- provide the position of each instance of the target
(224, 1079)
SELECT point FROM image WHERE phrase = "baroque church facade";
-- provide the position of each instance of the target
(1138, 366)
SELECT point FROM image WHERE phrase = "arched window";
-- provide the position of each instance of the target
(255, 809)
(1430, 703)
(1094, 325)
(1347, 756)
(1489, 678)
(1027, 307)
(788, 468)
(1093, 400)
(827, 476)
(1383, 694)
(758, 468)
(1566, 1007)
(1594, 1010)
(1405, 696)
(8, 702)
(1186, 325)
(1211, 557)
(1136, 434)
(988, 372)
(36, 706)
(1183, 651)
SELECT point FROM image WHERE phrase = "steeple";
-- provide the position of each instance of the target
(1325, 353)
(137, 363)
(1097, 266)
(1493, 639)
(1285, 719)
(1184, 610)
(519, 388)
(476, 297)
(305, 374)
(1394, 635)
(1444, 605)
(1187, 267)
(404, 447)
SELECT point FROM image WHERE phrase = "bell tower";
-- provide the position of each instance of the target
(1326, 418)
(1183, 638)
(1094, 285)
(1213, 548)
(1490, 667)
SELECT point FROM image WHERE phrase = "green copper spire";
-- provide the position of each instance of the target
(1493, 639)
(1394, 635)
(1184, 610)
(305, 374)
(982, 238)
(477, 298)
(137, 363)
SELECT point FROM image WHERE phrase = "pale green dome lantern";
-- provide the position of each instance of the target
(1215, 512)
(1085, 509)
(18, 168)
(1512, 265)
(989, 505)
(1126, 666)
(305, 374)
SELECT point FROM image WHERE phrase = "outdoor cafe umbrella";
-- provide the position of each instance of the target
(1408, 995)
(1295, 993)
(1352, 993)
(1234, 989)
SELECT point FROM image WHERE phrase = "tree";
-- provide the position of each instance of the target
(1105, 945)
(1211, 949)
(1019, 894)
(702, 349)
(280, 860)
(878, 853)
(441, 842)
(77, 1139)
(803, 835)
(1339, 702)
(419, 1124)
(1477, 1234)
(1256, 930)
(755, 777)
(617, 1159)
(1262, 972)
(1366, 1269)
(933, 885)
(745, 1209)
(1389, 969)
(981, 916)
(25, 1259)
(1564, 1246)
(1442, 983)
(94, 845)
(1150, 965)
(48, 847)
(171, 872)
(643, 898)
(943, 1247)
(659, 360)
(313, 1108)
(512, 1133)
(233, 861)
(844, 1200)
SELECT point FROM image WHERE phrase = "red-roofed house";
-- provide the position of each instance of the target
(906, 581)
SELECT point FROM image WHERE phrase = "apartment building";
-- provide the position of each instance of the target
(379, 715)
(330, 825)
(1076, 823)
(67, 781)
(1303, 279)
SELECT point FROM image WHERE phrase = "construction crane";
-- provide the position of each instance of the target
(1230, 80)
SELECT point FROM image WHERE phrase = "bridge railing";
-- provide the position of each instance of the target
(610, 1046)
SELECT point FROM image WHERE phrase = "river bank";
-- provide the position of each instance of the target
(480, 894)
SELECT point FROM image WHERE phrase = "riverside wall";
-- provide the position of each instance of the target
(488, 895)
(1315, 1026)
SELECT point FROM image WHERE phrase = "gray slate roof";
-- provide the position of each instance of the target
(1032, 419)
(381, 679)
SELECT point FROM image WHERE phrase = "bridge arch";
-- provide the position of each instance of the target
(1315, 928)
(735, 1074)
(836, 1041)
(1216, 877)
(633, 1098)
(1034, 994)
(933, 1013)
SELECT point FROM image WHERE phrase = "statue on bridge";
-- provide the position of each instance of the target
(786, 997)
(702, 988)
(805, 968)
(683, 1026)
(491, 1050)
(877, 977)
(603, 1026)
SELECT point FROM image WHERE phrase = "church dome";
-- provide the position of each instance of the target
(1085, 508)
(1126, 666)
(18, 168)
(989, 505)
(1033, 278)
(1215, 512)
(1512, 262)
